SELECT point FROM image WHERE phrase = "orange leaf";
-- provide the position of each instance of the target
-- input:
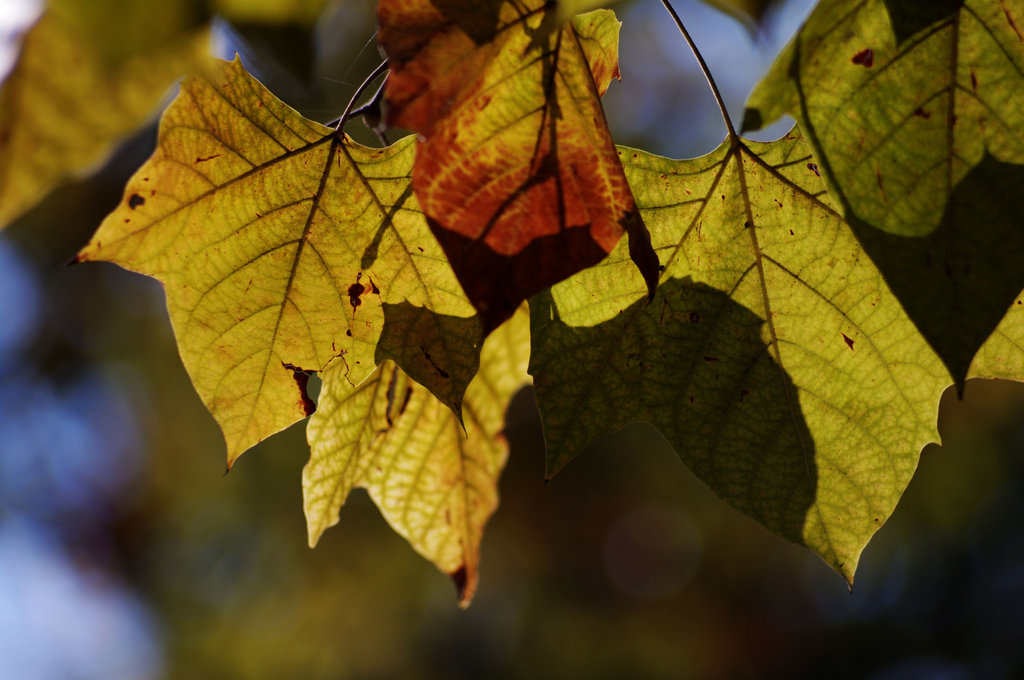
(516, 171)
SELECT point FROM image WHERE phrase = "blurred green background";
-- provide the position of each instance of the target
(126, 553)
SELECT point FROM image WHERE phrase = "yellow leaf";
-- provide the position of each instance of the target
(88, 74)
(281, 245)
(434, 483)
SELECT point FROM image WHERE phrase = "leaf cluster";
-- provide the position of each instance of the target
(787, 314)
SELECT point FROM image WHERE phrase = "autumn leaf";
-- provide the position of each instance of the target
(915, 111)
(1002, 355)
(774, 358)
(88, 73)
(516, 171)
(435, 483)
(280, 244)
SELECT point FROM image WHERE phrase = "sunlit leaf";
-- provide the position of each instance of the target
(915, 111)
(1002, 355)
(773, 357)
(517, 170)
(87, 75)
(279, 243)
(435, 483)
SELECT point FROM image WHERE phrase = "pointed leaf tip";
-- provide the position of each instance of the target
(741, 361)
(463, 591)
(373, 434)
(915, 111)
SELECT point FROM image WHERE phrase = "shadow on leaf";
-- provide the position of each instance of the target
(957, 282)
(909, 18)
(693, 364)
(407, 336)
(478, 20)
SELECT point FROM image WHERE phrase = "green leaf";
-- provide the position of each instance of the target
(279, 243)
(88, 74)
(435, 483)
(1002, 355)
(774, 358)
(915, 111)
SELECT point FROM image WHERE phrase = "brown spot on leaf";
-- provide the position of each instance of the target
(974, 83)
(459, 579)
(301, 377)
(134, 201)
(405, 400)
(441, 372)
(848, 340)
(694, 317)
(921, 113)
(203, 159)
(865, 58)
(813, 167)
(1009, 19)
(355, 291)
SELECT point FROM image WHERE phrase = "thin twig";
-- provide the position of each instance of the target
(733, 137)
(340, 121)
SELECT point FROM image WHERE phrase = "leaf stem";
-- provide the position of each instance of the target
(733, 137)
(340, 121)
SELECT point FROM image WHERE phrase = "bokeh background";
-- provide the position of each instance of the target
(127, 554)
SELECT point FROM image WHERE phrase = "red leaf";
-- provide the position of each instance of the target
(516, 170)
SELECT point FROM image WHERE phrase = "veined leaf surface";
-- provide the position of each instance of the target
(902, 99)
(915, 111)
(279, 242)
(774, 358)
(517, 171)
(435, 483)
